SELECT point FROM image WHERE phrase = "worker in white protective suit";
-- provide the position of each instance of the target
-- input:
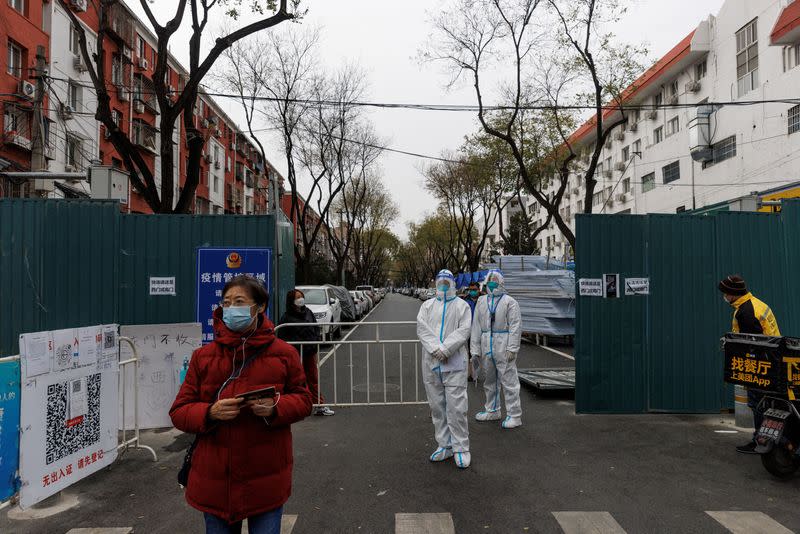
(443, 328)
(495, 341)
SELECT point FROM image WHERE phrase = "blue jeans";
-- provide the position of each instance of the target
(266, 523)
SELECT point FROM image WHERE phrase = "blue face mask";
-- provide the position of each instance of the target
(473, 293)
(444, 288)
(237, 318)
(492, 285)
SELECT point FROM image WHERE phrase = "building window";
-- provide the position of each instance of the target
(747, 57)
(580, 206)
(794, 119)
(658, 135)
(658, 100)
(18, 5)
(648, 182)
(73, 153)
(673, 89)
(75, 96)
(117, 71)
(700, 70)
(626, 154)
(637, 147)
(139, 46)
(597, 198)
(14, 59)
(673, 126)
(671, 172)
(626, 185)
(721, 151)
(74, 40)
(791, 57)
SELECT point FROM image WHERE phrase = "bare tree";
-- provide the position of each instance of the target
(517, 38)
(372, 239)
(170, 106)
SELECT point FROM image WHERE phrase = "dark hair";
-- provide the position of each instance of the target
(476, 284)
(290, 296)
(254, 287)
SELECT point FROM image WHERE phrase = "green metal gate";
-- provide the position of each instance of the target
(660, 353)
(68, 263)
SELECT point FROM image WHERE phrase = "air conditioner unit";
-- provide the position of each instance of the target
(77, 62)
(619, 135)
(632, 127)
(610, 202)
(212, 120)
(123, 94)
(673, 100)
(219, 132)
(138, 106)
(652, 114)
(207, 157)
(622, 197)
(66, 111)
(620, 166)
(607, 174)
(205, 123)
(107, 133)
(143, 63)
(127, 52)
(79, 5)
(233, 145)
(217, 165)
(693, 86)
(27, 89)
(13, 138)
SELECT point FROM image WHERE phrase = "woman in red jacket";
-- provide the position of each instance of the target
(242, 465)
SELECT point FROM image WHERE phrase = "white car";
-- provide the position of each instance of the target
(361, 305)
(368, 304)
(325, 307)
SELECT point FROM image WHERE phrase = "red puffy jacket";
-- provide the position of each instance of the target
(242, 467)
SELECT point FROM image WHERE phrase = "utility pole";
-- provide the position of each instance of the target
(276, 244)
(341, 230)
(38, 139)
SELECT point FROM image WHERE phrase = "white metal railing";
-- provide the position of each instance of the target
(360, 359)
(133, 442)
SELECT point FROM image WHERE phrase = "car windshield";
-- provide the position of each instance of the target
(315, 296)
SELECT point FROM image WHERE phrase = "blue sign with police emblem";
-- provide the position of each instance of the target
(216, 267)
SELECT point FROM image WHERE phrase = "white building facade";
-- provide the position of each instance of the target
(675, 154)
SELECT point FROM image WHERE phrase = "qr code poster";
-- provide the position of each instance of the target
(68, 421)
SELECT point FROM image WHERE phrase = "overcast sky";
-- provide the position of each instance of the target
(384, 37)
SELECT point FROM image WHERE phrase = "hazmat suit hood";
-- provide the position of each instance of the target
(495, 275)
(445, 277)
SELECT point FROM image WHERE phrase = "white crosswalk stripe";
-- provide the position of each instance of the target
(588, 523)
(423, 523)
(749, 523)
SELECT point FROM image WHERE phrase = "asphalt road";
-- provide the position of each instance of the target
(356, 470)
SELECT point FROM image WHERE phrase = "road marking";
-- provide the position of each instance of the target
(588, 523)
(287, 524)
(749, 523)
(339, 344)
(423, 524)
(564, 354)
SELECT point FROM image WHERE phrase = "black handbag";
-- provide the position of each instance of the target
(183, 473)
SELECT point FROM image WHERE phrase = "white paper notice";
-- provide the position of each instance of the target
(89, 340)
(454, 363)
(37, 353)
(637, 286)
(77, 398)
(65, 348)
(109, 354)
(590, 287)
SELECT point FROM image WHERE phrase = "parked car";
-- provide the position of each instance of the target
(360, 303)
(322, 301)
(346, 301)
(364, 288)
(368, 304)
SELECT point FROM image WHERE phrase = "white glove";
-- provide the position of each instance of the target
(511, 356)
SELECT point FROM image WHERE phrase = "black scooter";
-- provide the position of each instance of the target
(778, 439)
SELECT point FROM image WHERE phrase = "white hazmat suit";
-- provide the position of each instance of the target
(443, 328)
(495, 341)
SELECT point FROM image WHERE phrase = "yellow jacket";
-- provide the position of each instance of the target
(754, 317)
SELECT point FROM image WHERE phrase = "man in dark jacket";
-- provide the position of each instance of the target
(298, 312)
(750, 316)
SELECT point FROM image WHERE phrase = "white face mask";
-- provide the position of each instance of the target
(300, 302)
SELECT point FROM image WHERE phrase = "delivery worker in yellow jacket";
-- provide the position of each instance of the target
(751, 316)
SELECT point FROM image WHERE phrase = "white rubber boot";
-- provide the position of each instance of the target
(441, 454)
(488, 416)
(462, 459)
(512, 422)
